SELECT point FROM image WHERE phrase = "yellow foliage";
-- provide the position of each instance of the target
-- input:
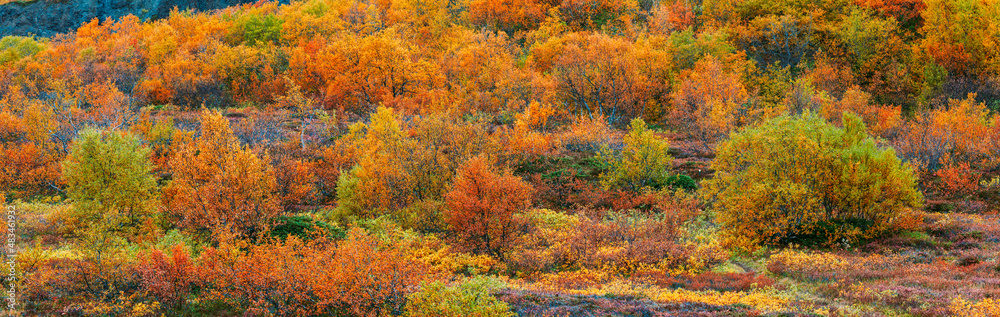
(800, 178)
(643, 161)
(441, 257)
(762, 299)
(378, 182)
(765, 300)
(799, 261)
(988, 307)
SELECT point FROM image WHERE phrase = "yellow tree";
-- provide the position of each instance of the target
(377, 183)
(109, 177)
(963, 35)
(642, 162)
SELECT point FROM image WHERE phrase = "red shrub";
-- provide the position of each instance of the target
(958, 179)
(169, 278)
(481, 206)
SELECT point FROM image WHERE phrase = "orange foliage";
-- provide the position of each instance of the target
(522, 142)
(905, 11)
(484, 74)
(596, 14)
(962, 36)
(711, 101)
(958, 179)
(250, 72)
(675, 16)
(31, 160)
(481, 206)
(161, 137)
(882, 120)
(169, 278)
(965, 132)
(616, 242)
(219, 185)
(180, 71)
(380, 68)
(536, 84)
(295, 181)
(597, 75)
(586, 134)
(509, 15)
(827, 75)
(328, 165)
(363, 275)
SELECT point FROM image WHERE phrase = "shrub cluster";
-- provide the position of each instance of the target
(798, 179)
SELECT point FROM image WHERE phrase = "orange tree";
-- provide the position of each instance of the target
(710, 101)
(481, 206)
(598, 75)
(219, 184)
(798, 179)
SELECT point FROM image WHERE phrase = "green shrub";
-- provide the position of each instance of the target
(13, 48)
(471, 298)
(300, 226)
(680, 181)
(109, 178)
(798, 178)
(255, 29)
(423, 216)
(349, 203)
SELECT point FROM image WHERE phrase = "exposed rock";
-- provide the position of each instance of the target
(49, 17)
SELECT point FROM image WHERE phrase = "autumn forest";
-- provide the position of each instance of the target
(507, 158)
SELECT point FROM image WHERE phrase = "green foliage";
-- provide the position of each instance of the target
(14, 48)
(378, 183)
(691, 47)
(680, 181)
(642, 162)
(819, 235)
(396, 167)
(470, 298)
(176, 237)
(798, 176)
(348, 202)
(108, 176)
(423, 216)
(301, 226)
(256, 29)
(773, 82)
